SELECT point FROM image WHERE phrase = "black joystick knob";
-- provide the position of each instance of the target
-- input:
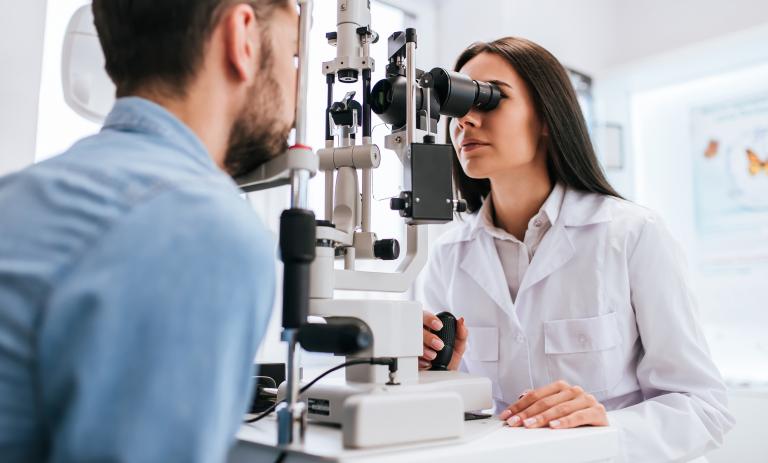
(448, 335)
(386, 249)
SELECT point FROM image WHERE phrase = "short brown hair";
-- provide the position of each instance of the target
(160, 42)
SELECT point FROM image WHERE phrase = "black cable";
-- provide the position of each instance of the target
(372, 361)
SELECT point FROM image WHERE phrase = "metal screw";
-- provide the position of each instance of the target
(418, 200)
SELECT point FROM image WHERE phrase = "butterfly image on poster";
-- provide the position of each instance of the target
(755, 163)
(713, 147)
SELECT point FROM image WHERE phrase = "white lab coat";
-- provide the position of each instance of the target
(605, 304)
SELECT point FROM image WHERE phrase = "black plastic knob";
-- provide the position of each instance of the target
(397, 204)
(461, 205)
(386, 249)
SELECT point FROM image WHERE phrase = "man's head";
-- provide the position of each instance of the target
(242, 52)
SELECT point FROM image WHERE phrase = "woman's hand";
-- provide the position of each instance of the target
(432, 343)
(558, 405)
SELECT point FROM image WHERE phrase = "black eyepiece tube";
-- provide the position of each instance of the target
(297, 251)
(457, 93)
(452, 95)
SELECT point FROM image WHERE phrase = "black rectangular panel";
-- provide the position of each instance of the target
(431, 184)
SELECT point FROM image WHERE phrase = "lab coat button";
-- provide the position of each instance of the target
(583, 340)
(520, 338)
(537, 223)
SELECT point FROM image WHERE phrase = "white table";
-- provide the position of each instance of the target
(484, 441)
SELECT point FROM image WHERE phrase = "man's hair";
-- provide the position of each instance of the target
(161, 43)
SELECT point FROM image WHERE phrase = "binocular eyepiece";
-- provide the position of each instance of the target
(452, 94)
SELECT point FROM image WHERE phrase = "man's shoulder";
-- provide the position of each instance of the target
(61, 207)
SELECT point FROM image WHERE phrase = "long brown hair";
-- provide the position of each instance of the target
(571, 158)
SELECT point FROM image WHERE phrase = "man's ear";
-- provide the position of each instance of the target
(241, 41)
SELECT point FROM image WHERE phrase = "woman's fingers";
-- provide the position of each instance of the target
(547, 403)
(462, 333)
(592, 416)
(558, 411)
(429, 354)
(530, 399)
(432, 341)
(430, 321)
(557, 405)
(424, 364)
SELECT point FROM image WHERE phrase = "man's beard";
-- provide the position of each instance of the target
(258, 134)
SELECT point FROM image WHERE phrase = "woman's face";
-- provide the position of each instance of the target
(507, 138)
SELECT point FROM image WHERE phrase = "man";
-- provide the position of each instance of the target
(135, 283)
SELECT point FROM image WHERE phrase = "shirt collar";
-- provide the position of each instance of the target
(554, 203)
(551, 209)
(135, 114)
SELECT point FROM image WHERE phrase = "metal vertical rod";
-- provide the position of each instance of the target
(287, 421)
(366, 103)
(305, 26)
(428, 96)
(410, 106)
(328, 195)
(299, 187)
(290, 417)
(366, 200)
(329, 80)
(300, 178)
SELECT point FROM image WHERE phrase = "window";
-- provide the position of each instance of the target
(387, 178)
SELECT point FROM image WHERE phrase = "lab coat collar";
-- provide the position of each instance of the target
(550, 211)
(569, 207)
(481, 261)
(581, 208)
(554, 203)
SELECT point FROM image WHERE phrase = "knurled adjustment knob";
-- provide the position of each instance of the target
(388, 249)
(397, 204)
(461, 205)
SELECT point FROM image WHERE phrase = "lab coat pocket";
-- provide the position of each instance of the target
(584, 351)
(482, 355)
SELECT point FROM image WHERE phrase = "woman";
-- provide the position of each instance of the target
(573, 301)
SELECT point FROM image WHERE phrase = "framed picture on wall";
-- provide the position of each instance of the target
(582, 85)
(609, 144)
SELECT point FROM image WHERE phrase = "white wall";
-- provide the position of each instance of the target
(580, 33)
(21, 48)
(649, 27)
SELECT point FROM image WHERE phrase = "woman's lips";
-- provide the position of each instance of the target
(469, 147)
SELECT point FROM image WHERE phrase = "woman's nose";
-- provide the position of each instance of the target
(471, 119)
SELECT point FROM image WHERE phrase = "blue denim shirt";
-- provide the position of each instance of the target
(135, 286)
